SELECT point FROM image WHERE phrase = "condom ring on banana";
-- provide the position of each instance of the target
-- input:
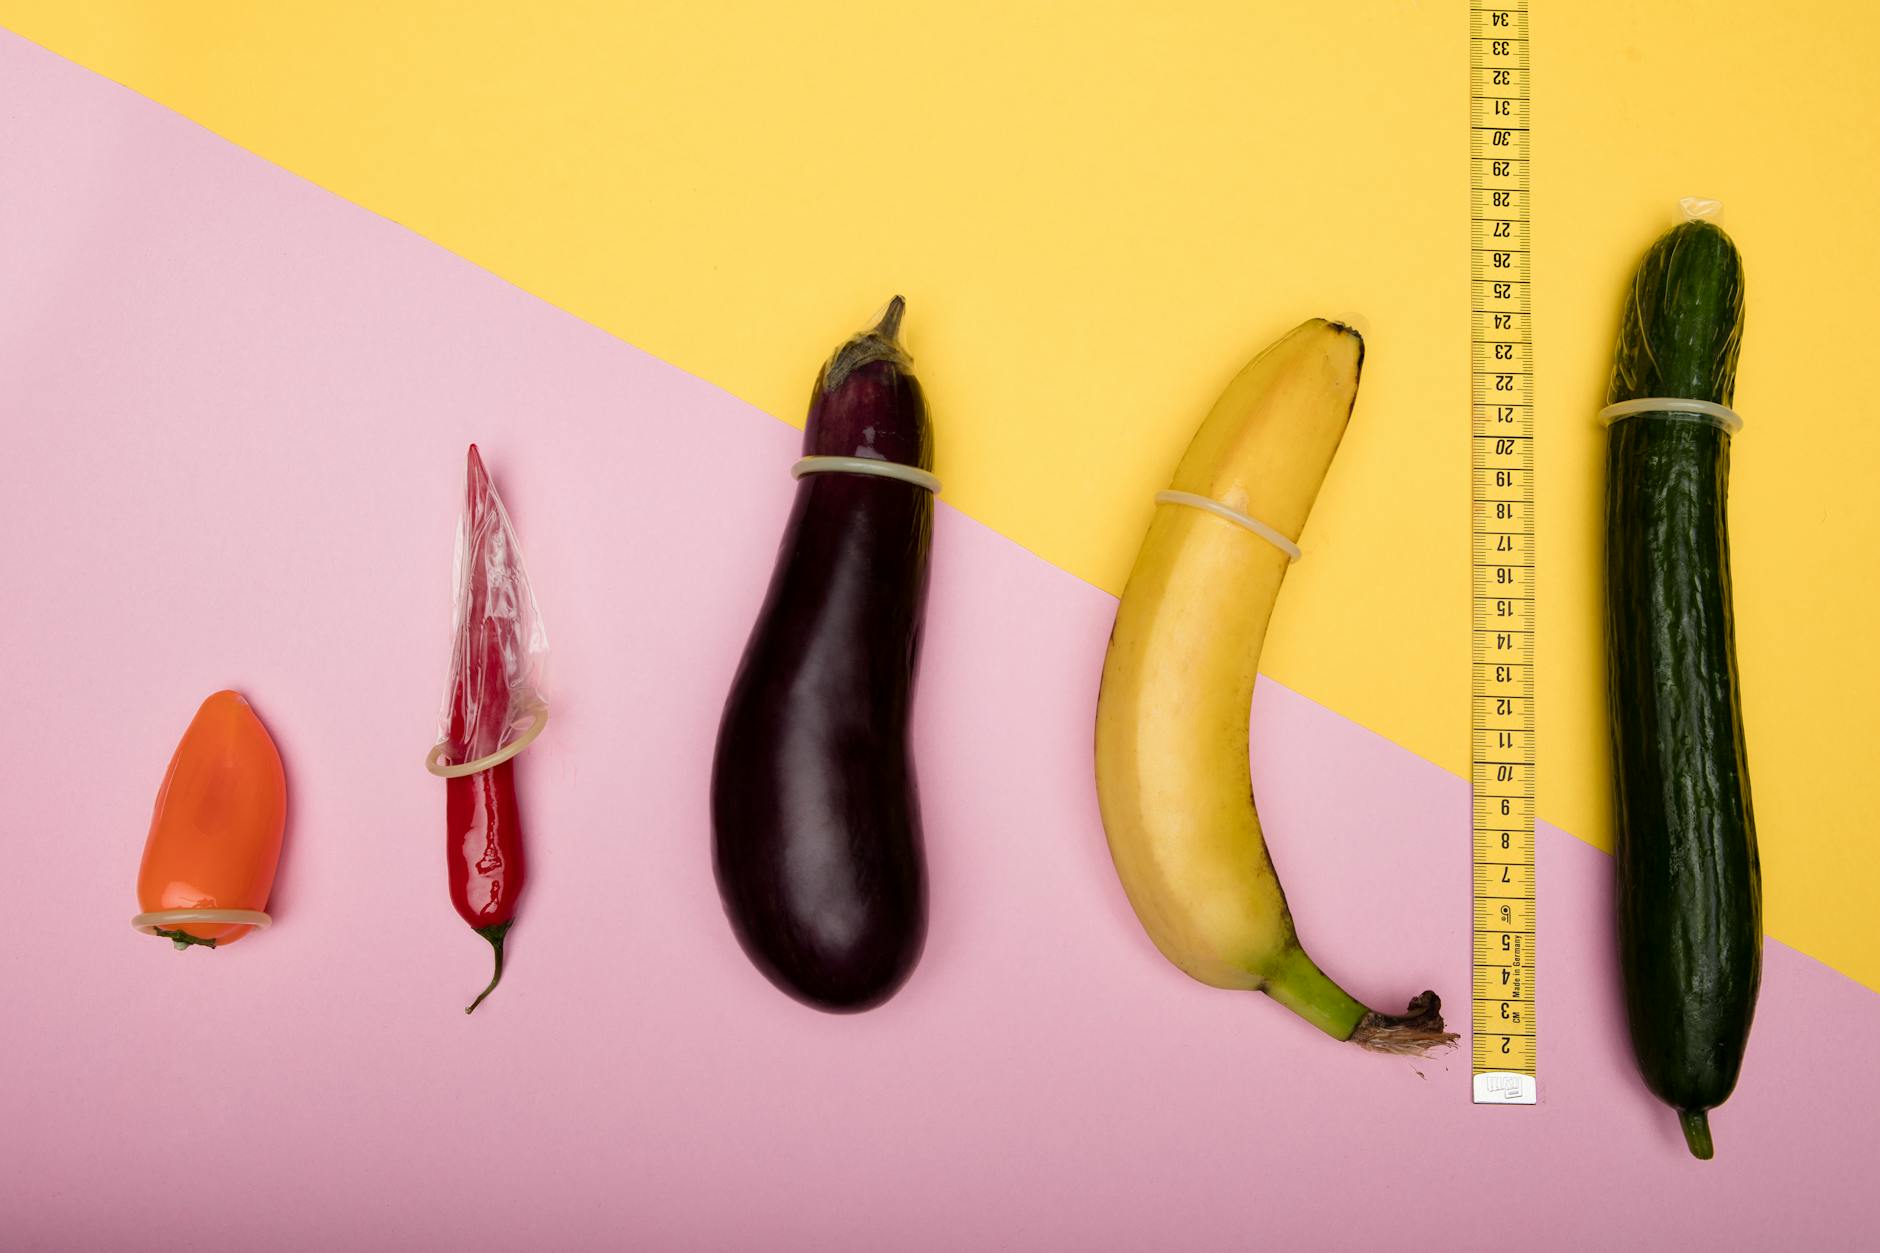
(1209, 505)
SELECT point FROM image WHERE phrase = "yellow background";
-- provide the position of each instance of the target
(1098, 213)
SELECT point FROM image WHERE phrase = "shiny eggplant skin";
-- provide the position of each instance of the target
(816, 834)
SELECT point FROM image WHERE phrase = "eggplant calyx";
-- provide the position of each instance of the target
(880, 342)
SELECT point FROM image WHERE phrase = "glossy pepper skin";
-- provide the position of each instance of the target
(484, 847)
(215, 834)
(483, 823)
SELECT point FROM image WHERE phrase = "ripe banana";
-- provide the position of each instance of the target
(1171, 746)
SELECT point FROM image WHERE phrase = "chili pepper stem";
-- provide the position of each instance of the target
(183, 939)
(495, 936)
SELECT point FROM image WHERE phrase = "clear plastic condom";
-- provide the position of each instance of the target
(1209, 505)
(493, 704)
(867, 465)
(1722, 417)
(170, 919)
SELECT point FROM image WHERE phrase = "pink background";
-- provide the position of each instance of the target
(234, 412)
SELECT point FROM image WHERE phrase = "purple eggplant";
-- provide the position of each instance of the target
(816, 837)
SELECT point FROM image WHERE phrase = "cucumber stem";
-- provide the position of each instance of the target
(495, 936)
(1696, 1124)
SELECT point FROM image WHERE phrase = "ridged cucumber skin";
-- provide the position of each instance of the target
(1689, 881)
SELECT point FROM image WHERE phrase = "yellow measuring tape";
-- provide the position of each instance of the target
(1502, 465)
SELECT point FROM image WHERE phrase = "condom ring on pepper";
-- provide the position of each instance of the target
(538, 714)
(163, 921)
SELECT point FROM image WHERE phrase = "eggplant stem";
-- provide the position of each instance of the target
(879, 342)
(890, 324)
(495, 936)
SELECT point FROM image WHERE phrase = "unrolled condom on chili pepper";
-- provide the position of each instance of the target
(493, 709)
(215, 835)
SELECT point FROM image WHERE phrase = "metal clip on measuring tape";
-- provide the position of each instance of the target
(1208, 504)
(1722, 417)
(867, 465)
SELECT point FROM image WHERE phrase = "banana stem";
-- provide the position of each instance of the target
(1298, 984)
(1413, 1033)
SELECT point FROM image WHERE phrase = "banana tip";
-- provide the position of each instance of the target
(1346, 328)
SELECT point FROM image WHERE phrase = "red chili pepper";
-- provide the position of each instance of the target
(483, 824)
(484, 835)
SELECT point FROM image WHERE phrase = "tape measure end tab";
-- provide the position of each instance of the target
(1503, 1087)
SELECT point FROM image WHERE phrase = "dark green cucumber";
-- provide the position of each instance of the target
(1689, 887)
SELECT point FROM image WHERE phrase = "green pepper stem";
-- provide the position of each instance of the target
(495, 936)
(1696, 1124)
(183, 939)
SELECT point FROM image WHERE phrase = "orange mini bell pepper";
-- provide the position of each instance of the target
(215, 838)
